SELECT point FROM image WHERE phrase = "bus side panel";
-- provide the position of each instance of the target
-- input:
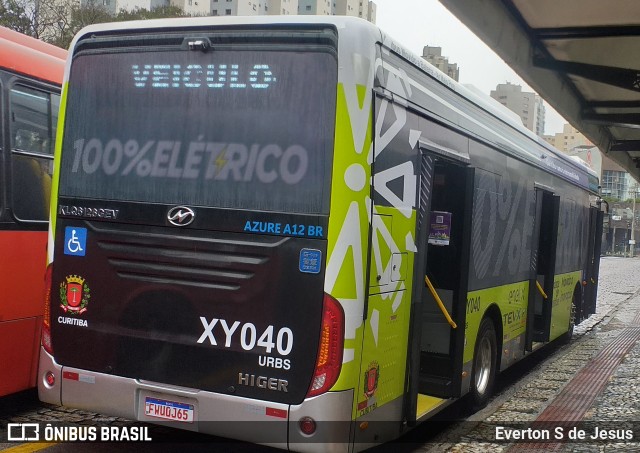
(348, 237)
(23, 261)
(367, 245)
(20, 340)
(573, 230)
(21, 307)
(502, 224)
(503, 213)
(563, 288)
(384, 357)
(504, 210)
(511, 301)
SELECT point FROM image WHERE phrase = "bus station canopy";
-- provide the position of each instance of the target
(581, 56)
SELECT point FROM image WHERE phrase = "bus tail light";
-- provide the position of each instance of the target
(46, 320)
(330, 347)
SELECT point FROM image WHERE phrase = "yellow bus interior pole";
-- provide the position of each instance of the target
(440, 304)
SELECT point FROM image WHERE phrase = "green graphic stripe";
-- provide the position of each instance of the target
(57, 158)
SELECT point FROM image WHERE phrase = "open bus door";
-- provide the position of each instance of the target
(592, 267)
(445, 193)
(543, 264)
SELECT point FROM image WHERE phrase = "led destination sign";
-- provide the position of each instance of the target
(223, 75)
(242, 128)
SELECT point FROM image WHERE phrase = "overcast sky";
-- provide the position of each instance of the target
(418, 23)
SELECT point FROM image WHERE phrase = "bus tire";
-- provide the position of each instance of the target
(483, 374)
(572, 324)
(577, 298)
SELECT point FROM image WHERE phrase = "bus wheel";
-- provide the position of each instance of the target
(577, 298)
(572, 321)
(483, 375)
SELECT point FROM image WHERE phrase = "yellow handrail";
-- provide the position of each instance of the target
(544, 295)
(440, 304)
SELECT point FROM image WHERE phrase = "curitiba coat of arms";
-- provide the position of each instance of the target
(74, 295)
(371, 377)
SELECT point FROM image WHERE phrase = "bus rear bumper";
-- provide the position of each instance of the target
(48, 393)
(249, 420)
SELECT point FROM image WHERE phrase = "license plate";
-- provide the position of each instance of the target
(168, 410)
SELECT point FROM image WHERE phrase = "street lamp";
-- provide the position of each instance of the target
(632, 241)
(627, 241)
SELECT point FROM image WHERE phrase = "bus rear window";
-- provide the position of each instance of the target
(239, 129)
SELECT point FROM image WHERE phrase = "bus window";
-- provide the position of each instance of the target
(33, 115)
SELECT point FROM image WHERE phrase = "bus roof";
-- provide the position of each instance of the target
(26, 55)
(484, 102)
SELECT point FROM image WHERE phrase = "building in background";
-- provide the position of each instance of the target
(193, 7)
(620, 190)
(527, 105)
(434, 56)
(355, 8)
(321, 7)
(227, 7)
(616, 183)
(282, 7)
(367, 10)
(346, 7)
(113, 6)
(244, 7)
(569, 138)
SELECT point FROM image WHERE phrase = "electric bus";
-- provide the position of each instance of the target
(30, 78)
(293, 231)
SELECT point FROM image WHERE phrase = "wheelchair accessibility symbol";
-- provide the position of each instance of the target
(75, 241)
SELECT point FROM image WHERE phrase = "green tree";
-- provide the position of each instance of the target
(58, 21)
(13, 15)
(42, 19)
(159, 12)
(90, 13)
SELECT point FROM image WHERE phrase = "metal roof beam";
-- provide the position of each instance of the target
(620, 77)
(626, 145)
(628, 120)
(586, 32)
(502, 26)
(613, 104)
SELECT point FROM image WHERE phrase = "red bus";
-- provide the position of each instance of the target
(30, 81)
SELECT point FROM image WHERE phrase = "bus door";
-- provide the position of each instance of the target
(436, 336)
(543, 263)
(592, 268)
